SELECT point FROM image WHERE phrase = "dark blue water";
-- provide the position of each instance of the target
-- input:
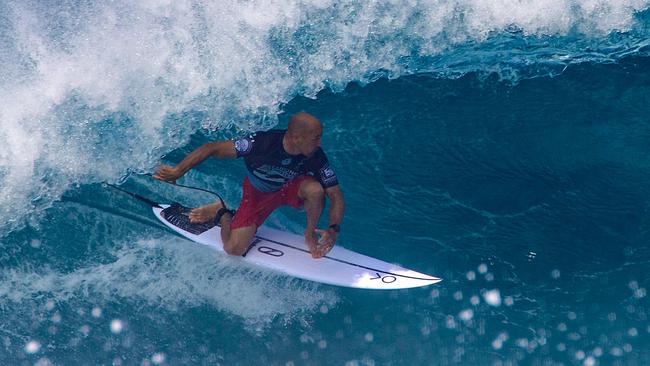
(504, 149)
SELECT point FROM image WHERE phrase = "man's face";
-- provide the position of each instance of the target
(310, 141)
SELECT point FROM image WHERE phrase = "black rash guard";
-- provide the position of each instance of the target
(270, 166)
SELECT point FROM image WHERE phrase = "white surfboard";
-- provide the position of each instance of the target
(287, 253)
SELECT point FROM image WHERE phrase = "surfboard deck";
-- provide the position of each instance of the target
(287, 253)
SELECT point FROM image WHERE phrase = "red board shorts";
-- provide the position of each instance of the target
(256, 206)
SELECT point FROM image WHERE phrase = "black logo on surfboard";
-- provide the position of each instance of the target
(385, 279)
(270, 251)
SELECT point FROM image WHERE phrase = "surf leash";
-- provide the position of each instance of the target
(155, 204)
(134, 195)
(223, 203)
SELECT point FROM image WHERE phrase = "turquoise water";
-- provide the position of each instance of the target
(503, 147)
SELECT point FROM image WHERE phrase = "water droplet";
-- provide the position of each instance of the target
(85, 330)
(640, 293)
(32, 347)
(116, 326)
(555, 274)
(49, 305)
(324, 309)
(616, 351)
(96, 312)
(466, 315)
(509, 301)
(158, 358)
(492, 297)
(471, 275)
(522, 342)
(627, 347)
(56, 318)
(369, 337)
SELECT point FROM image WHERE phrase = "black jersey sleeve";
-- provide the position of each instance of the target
(323, 171)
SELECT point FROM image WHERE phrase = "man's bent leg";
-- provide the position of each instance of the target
(235, 241)
(313, 195)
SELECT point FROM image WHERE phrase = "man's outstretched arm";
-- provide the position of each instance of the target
(220, 150)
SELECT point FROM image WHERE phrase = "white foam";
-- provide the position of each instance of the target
(171, 273)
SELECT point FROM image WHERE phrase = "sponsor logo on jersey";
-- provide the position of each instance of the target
(276, 174)
(328, 172)
(328, 175)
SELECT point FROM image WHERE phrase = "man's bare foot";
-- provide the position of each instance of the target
(205, 213)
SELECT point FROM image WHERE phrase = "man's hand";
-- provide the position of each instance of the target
(167, 173)
(320, 247)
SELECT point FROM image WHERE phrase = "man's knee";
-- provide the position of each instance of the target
(239, 240)
(310, 189)
(232, 247)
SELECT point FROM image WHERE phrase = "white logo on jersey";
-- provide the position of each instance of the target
(243, 145)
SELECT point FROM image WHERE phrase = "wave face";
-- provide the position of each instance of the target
(91, 91)
(531, 200)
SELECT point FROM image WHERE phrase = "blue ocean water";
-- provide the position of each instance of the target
(500, 145)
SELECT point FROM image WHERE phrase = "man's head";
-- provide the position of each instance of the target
(304, 133)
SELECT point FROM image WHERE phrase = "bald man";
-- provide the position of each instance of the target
(285, 167)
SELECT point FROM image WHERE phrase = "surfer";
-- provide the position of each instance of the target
(285, 167)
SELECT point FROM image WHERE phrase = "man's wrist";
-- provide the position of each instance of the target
(336, 228)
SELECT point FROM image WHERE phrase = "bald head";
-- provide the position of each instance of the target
(303, 123)
(303, 134)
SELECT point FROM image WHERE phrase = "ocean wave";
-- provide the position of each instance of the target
(92, 91)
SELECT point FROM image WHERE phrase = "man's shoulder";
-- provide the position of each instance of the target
(320, 153)
(269, 134)
(318, 158)
(262, 135)
(270, 139)
(260, 143)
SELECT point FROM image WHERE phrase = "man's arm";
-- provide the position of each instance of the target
(220, 150)
(329, 236)
(337, 204)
